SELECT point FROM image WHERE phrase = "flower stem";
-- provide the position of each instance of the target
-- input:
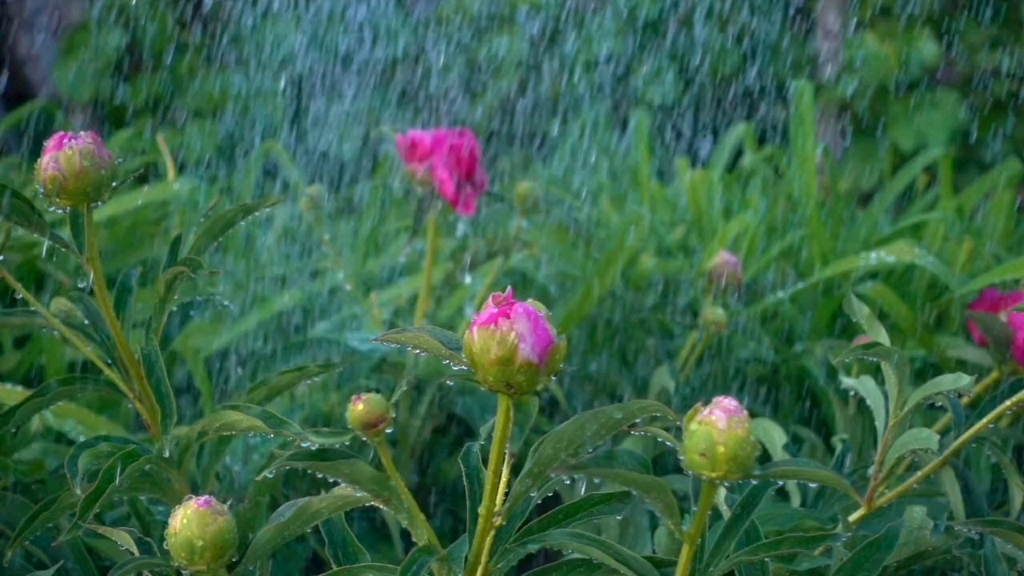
(75, 340)
(485, 526)
(959, 444)
(506, 473)
(388, 461)
(146, 401)
(691, 539)
(423, 302)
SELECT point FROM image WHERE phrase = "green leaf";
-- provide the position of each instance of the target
(773, 547)
(774, 438)
(869, 390)
(951, 486)
(1009, 531)
(105, 482)
(863, 315)
(74, 421)
(1012, 270)
(120, 537)
(266, 390)
(870, 557)
(572, 567)
(654, 491)
(585, 544)
(48, 571)
(430, 340)
(418, 562)
(124, 296)
(17, 209)
(913, 439)
(215, 227)
(739, 517)
(48, 511)
(95, 451)
(596, 505)
(916, 533)
(49, 394)
(1014, 480)
(938, 385)
(173, 252)
(473, 480)
(230, 423)
(573, 439)
(364, 570)
(294, 518)
(137, 564)
(343, 548)
(804, 470)
(156, 374)
(76, 225)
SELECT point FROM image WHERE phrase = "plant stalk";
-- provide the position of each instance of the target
(151, 412)
(423, 301)
(485, 526)
(506, 474)
(1015, 401)
(692, 537)
(388, 461)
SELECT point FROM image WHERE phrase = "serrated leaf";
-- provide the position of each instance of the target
(585, 544)
(573, 439)
(364, 570)
(869, 558)
(137, 564)
(868, 389)
(789, 544)
(863, 315)
(951, 486)
(912, 439)
(473, 480)
(343, 548)
(294, 518)
(17, 209)
(596, 505)
(739, 517)
(266, 390)
(655, 492)
(160, 384)
(215, 227)
(120, 537)
(1009, 531)
(48, 395)
(938, 385)
(430, 340)
(804, 470)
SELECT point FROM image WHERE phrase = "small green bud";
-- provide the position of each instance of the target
(714, 318)
(717, 441)
(369, 414)
(75, 170)
(201, 534)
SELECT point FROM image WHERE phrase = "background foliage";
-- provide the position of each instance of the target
(628, 142)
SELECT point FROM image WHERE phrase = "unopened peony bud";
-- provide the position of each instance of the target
(725, 270)
(511, 345)
(714, 318)
(369, 414)
(717, 441)
(75, 170)
(201, 534)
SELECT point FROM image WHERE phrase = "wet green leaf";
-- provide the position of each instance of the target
(17, 209)
(869, 390)
(120, 537)
(266, 390)
(137, 564)
(916, 534)
(430, 340)
(48, 511)
(1014, 479)
(585, 544)
(1010, 531)
(418, 562)
(869, 558)
(573, 567)
(803, 470)
(739, 517)
(588, 507)
(774, 438)
(938, 385)
(863, 315)
(47, 572)
(343, 547)
(951, 486)
(160, 384)
(364, 570)
(789, 544)
(655, 492)
(215, 227)
(50, 394)
(919, 438)
(473, 480)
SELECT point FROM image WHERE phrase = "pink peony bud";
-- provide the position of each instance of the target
(512, 346)
(862, 340)
(725, 269)
(717, 441)
(451, 159)
(201, 534)
(992, 301)
(75, 169)
(369, 414)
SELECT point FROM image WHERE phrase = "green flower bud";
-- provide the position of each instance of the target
(717, 441)
(714, 318)
(75, 170)
(369, 414)
(201, 534)
(512, 347)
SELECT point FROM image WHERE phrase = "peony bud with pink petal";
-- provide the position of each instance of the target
(512, 346)
(717, 440)
(725, 270)
(201, 534)
(451, 160)
(75, 170)
(369, 414)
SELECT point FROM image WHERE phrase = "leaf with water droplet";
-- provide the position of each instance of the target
(613, 555)
(17, 209)
(48, 511)
(430, 340)
(137, 564)
(120, 537)
(589, 507)
(51, 393)
(273, 386)
(804, 470)
(215, 227)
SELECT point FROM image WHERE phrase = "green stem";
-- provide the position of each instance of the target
(691, 539)
(695, 354)
(150, 412)
(423, 302)
(959, 444)
(59, 326)
(477, 560)
(388, 461)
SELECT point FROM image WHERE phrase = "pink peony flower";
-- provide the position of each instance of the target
(1015, 320)
(451, 159)
(992, 301)
(75, 169)
(511, 345)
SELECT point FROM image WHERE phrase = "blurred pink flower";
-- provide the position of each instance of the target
(1015, 320)
(451, 158)
(725, 269)
(993, 301)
